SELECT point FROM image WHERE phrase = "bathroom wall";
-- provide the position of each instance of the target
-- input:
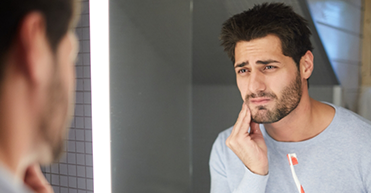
(74, 172)
(339, 25)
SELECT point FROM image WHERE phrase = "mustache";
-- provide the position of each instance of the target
(261, 94)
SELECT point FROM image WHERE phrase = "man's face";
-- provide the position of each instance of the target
(60, 100)
(269, 82)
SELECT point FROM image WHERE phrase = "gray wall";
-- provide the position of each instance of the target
(150, 83)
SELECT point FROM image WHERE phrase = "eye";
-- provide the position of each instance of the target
(269, 67)
(242, 71)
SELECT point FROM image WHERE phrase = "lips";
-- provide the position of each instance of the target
(260, 101)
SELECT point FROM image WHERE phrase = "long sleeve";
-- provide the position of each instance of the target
(221, 182)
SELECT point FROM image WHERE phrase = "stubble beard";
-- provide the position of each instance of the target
(289, 100)
(55, 121)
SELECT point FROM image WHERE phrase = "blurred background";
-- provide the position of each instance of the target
(173, 88)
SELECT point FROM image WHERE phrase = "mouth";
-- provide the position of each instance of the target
(260, 101)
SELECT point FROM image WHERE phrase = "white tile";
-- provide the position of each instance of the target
(71, 190)
(88, 135)
(85, 46)
(87, 86)
(79, 134)
(55, 179)
(72, 170)
(63, 169)
(87, 122)
(79, 85)
(80, 147)
(85, 7)
(64, 181)
(86, 33)
(71, 134)
(81, 191)
(89, 172)
(81, 171)
(71, 157)
(79, 110)
(87, 97)
(87, 110)
(81, 183)
(86, 59)
(79, 97)
(89, 160)
(86, 70)
(71, 146)
(89, 184)
(64, 190)
(72, 182)
(80, 159)
(79, 122)
(84, 21)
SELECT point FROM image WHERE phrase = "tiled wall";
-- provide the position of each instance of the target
(74, 172)
(339, 25)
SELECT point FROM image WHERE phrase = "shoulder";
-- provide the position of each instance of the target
(219, 143)
(345, 117)
(349, 127)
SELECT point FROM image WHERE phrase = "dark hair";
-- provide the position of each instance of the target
(274, 18)
(60, 16)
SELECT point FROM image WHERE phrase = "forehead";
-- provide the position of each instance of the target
(267, 46)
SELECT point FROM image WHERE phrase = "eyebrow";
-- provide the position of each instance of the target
(263, 62)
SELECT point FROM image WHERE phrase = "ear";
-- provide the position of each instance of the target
(306, 65)
(33, 50)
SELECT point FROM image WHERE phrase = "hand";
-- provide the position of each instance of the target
(249, 147)
(35, 180)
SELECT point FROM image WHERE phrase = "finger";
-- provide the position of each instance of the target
(245, 124)
(36, 180)
(255, 129)
(239, 121)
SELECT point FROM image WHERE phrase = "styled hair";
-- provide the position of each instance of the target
(60, 16)
(268, 19)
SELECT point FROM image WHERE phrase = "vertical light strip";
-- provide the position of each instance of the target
(99, 53)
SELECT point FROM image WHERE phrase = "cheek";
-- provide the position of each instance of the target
(242, 87)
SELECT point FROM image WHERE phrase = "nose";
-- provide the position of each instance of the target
(256, 82)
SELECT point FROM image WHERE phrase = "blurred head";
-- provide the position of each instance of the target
(269, 44)
(41, 33)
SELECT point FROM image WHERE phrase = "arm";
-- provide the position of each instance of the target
(250, 182)
(250, 148)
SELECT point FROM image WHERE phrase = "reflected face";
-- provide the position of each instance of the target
(269, 82)
(59, 107)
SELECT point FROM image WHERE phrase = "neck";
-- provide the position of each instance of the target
(306, 121)
(17, 133)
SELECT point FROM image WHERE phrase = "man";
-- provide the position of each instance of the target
(301, 144)
(37, 52)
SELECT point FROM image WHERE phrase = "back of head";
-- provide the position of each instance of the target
(274, 18)
(59, 17)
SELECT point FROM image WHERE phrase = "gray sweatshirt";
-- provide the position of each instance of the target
(336, 160)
